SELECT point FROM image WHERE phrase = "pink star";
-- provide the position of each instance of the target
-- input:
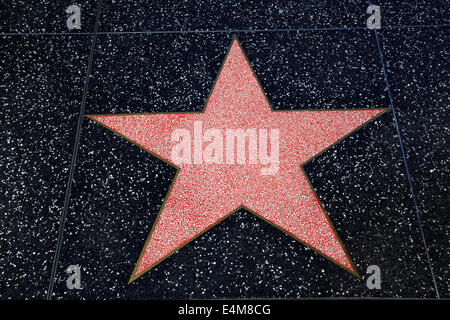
(218, 173)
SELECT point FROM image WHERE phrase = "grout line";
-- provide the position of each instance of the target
(234, 30)
(417, 26)
(74, 158)
(411, 187)
(219, 31)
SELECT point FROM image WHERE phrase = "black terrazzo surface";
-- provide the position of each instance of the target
(118, 189)
(413, 12)
(44, 16)
(40, 107)
(419, 69)
(176, 15)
